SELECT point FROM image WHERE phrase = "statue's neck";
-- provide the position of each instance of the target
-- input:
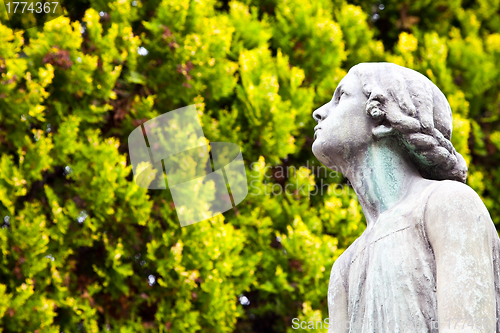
(381, 176)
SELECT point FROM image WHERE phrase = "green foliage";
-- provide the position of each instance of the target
(83, 249)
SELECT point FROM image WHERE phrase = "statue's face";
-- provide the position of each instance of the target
(343, 125)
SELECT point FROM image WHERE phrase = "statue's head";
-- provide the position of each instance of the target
(377, 101)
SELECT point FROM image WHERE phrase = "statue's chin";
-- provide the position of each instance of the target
(319, 151)
(316, 149)
(325, 153)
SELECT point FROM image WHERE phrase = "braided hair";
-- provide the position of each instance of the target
(408, 105)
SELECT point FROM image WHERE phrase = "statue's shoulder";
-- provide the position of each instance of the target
(343, 263)
(453, 206)
(452, 193)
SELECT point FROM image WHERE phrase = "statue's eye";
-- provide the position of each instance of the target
(340, 95)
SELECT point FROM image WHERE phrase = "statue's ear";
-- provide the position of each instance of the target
(390, 119)
(376, 108)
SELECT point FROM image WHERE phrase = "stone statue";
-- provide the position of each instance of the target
(429, 258)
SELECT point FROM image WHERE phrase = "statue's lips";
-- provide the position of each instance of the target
(316, 129)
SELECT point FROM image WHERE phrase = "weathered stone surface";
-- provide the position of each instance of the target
(429, 258)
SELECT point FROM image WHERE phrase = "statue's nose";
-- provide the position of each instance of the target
(321, 113)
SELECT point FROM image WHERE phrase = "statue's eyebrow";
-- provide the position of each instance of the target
(337, 92)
